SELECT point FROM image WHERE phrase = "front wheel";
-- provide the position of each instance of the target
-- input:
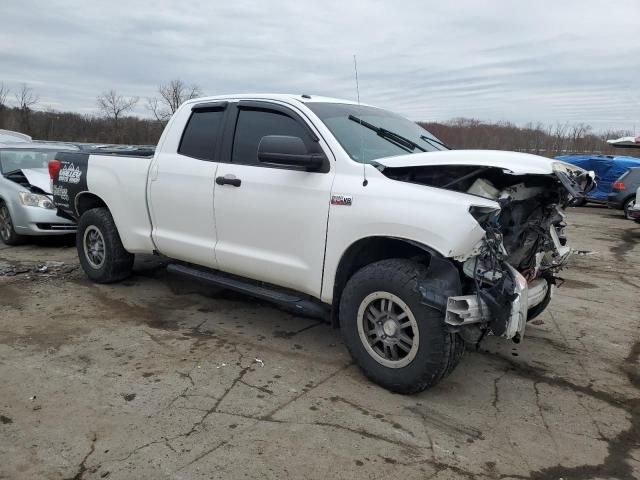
(7, 232)
(100, 250)
(397, 341)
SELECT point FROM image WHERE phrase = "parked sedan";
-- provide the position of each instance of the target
(26, 208)
(623, 191)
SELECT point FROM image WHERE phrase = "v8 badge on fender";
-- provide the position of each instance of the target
(345, 200)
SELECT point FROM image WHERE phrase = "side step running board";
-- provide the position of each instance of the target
(297, 302)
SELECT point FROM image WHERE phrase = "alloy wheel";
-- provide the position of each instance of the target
(388, 329)
(94, 246)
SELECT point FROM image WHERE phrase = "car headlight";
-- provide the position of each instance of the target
(564, 167)
(586, 179)
(569, 169)
(36, 200)
(483, 214)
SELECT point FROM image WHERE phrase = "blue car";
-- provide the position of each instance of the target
(608, 168)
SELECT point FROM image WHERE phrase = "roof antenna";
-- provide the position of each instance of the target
(365, 182)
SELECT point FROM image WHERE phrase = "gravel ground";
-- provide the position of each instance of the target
(159, 378)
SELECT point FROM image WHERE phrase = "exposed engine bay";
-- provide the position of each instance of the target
(510, 275)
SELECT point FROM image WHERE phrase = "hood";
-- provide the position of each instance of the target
(513, 162)
(38, 177)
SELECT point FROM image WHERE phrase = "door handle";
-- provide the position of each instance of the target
(228, 180)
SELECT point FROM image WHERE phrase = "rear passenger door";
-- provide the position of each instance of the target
(181, 184)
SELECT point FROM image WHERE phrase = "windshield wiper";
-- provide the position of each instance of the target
(433, 140)
(392, 137)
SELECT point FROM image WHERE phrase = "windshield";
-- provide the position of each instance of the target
(369, 133)
(16, 159)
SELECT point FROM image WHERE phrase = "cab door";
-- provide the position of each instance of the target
(271, 222)
(181, 186)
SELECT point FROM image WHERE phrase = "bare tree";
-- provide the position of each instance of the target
(4, 93)
(154, 106)
(114, 106)
(172, 95)
(26, 99)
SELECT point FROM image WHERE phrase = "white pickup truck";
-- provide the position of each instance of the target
(338, 210)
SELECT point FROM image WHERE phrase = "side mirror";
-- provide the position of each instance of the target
(287, 151)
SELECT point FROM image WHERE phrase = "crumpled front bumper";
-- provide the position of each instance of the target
(469, 309)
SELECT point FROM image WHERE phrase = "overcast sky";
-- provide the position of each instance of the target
(547, 61)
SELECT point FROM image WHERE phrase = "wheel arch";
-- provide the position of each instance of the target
(368, 250)
(8, 203)
(629, 197)
(86, 200)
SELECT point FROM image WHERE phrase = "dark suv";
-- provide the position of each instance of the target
(623, 191)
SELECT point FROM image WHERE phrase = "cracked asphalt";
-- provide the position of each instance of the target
(160, 378)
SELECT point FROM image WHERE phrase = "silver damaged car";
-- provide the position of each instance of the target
(26, 208)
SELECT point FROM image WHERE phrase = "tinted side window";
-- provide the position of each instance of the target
(200, 135)
(252, 125)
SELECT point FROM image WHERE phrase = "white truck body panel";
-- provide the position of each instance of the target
(388, 208)
(263, 233)
(121, 182)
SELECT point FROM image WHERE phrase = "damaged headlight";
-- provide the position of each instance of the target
(567, 168)
(482, 214)
(577, 181)
(36, 200)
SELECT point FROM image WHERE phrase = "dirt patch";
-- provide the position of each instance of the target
(577, 284)
(628, 240)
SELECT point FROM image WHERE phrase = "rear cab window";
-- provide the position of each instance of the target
(200, 136)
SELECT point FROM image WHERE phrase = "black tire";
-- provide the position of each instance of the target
(629, 202)
(579, 203)
(438, 351)
(457, 351)
(8, 234)
(116, 262)
(533, 312)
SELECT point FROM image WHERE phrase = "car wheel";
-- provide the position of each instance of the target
(8, 234)
(397, 341)
(628, 205)
(100, 250)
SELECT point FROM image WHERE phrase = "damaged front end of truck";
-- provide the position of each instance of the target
(509, 276)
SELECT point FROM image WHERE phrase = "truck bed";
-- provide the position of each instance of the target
(120, 181)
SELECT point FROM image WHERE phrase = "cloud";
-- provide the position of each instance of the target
(542, 61)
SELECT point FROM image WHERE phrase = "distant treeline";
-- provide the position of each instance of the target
(74, 127)
(547, 140)
(114, 124)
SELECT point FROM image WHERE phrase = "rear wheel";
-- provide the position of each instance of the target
(628, 205)
(100, 250)
(397, 341)
(8, 234)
